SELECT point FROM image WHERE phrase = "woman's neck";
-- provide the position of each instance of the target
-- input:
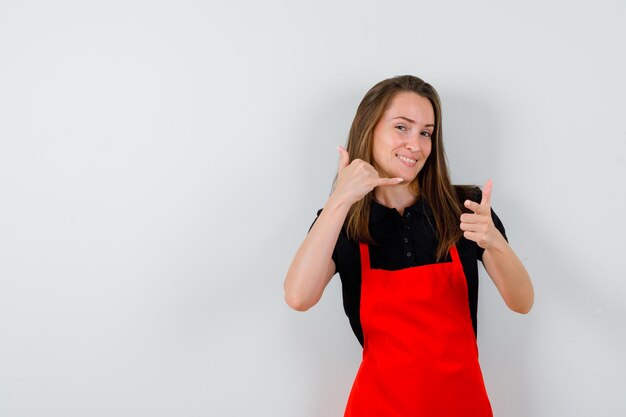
(398, 197)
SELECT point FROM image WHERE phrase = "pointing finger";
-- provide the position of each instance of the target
(486, 200)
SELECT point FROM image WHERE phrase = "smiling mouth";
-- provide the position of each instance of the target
(406, 160)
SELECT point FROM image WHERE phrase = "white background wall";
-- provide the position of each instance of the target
(161, 161)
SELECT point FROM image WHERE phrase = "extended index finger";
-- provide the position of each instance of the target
(486, 200)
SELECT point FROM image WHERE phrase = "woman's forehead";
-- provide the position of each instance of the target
(410, 107)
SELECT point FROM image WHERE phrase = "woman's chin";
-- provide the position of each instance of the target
(407, 177)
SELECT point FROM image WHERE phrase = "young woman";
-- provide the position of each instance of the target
(405, 243)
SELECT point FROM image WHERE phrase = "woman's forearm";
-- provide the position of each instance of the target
(509, 276)
(312, 266)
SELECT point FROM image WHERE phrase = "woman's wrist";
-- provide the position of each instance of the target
(337, 203)
(498, 242)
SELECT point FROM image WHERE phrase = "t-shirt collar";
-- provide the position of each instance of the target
(379, 212)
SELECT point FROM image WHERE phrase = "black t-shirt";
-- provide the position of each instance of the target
(402, 242)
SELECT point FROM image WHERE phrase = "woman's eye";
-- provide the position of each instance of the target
(401, 127)
(426, 133)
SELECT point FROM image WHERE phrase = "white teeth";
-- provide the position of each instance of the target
(405, 159)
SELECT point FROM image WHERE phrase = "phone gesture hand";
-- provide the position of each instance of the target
(357, 178)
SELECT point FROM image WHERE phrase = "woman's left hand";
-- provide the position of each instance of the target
(479, 226)
(501, 263)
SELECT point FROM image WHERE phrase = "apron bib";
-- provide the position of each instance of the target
(420, 356)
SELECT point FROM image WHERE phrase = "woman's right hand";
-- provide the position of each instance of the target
(312, 266)
(357, 178)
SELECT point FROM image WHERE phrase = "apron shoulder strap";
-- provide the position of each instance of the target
(454, 253)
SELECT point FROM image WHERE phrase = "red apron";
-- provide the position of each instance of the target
(420, 356)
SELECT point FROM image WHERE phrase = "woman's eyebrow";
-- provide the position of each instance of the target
(411, 120)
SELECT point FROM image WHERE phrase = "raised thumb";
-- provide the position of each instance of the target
(344, 158)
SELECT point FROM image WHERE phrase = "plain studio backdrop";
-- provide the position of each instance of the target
(161, 161)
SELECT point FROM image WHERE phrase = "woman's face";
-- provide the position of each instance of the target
(402, 138)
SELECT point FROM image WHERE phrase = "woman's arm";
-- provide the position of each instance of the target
(502, 264)
(509, 275)
(312, 266)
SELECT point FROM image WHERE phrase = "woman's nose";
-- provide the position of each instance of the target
(413, 143)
